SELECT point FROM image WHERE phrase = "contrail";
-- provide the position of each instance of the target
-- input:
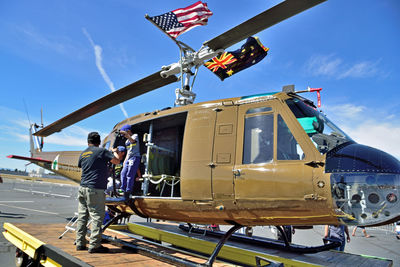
(99, 59)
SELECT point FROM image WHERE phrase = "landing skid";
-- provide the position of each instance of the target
(262, 241)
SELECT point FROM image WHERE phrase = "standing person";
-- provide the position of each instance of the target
(116, 180)
(91, 197)
(288, 230)
(336, 232)
(363, 230)
(132, 160)
(397, 229)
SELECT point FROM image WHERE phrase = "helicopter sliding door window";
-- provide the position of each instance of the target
(288, 148)
(107, 145)
(258, 145)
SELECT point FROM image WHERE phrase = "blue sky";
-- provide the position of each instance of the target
(61, 55)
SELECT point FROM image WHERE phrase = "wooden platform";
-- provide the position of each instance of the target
(170, 233)
(49, 233)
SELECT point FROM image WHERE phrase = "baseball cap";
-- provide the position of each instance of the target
(121, 148)
(126, 127)
(94, 138)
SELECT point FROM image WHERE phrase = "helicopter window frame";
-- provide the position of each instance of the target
(288, 148)
(253, 135)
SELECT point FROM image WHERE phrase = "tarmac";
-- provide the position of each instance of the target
(24, 201)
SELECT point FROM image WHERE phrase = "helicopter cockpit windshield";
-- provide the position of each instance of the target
(324, 133)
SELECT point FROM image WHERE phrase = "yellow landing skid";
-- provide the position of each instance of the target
(230, 253)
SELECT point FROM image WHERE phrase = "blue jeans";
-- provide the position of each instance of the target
(342, 245)
(128, 173)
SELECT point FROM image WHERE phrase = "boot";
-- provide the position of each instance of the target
(127, 196)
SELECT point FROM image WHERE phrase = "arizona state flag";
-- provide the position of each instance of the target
(229, 63)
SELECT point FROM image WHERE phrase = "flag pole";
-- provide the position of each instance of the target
(185, 91)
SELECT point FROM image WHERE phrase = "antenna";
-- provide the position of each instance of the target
(41, 121)
(26, 110)
(41, 116)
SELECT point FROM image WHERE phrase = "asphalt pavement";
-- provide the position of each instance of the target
(39, 202)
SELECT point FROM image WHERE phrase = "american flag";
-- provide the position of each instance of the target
(181, 20)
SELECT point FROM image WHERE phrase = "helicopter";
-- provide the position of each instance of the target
(267, 159)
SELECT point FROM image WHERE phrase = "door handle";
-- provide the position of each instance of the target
(237, 172)
(314, 197)
(315, 164)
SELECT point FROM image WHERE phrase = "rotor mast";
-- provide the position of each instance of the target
(188, 59)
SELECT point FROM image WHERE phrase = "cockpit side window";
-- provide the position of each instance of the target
(288, 148)
(258, 145)
(324, 134)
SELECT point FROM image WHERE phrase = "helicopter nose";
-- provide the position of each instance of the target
(365, 184)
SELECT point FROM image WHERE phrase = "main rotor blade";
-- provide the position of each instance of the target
(135, 89)
(260, 22)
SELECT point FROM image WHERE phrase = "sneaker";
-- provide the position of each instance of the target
(100, 249)
(81, 247)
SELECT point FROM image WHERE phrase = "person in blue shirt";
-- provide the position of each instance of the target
(337, 232)
(132, 160)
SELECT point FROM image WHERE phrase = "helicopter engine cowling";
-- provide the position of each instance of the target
(365, 184)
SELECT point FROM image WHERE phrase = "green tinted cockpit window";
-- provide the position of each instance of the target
(308, 124)
(323, 132)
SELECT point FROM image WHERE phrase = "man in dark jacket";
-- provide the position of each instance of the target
(91, 197)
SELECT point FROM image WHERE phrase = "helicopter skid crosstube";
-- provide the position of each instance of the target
(263, 241)
(115, 205)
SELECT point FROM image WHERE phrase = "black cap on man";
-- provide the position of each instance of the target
(94, 138)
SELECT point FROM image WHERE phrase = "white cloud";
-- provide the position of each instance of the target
(13, 127)
(98, 54)
(360, 70)
(331, 66)
(381, 135)
(58, 43)
(368, 127)
(323, 65)
(346, 111)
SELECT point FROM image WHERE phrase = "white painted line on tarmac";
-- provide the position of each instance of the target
(17, 201)
(22, 190)
(58, 195)
(43, 193)
(15, 207)
(51, 194)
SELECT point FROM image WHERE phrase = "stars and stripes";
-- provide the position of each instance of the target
(181, 20)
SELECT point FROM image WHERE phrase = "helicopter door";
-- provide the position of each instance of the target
(269, 161)
(224, 152)
(197, 155)
(254, 169)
